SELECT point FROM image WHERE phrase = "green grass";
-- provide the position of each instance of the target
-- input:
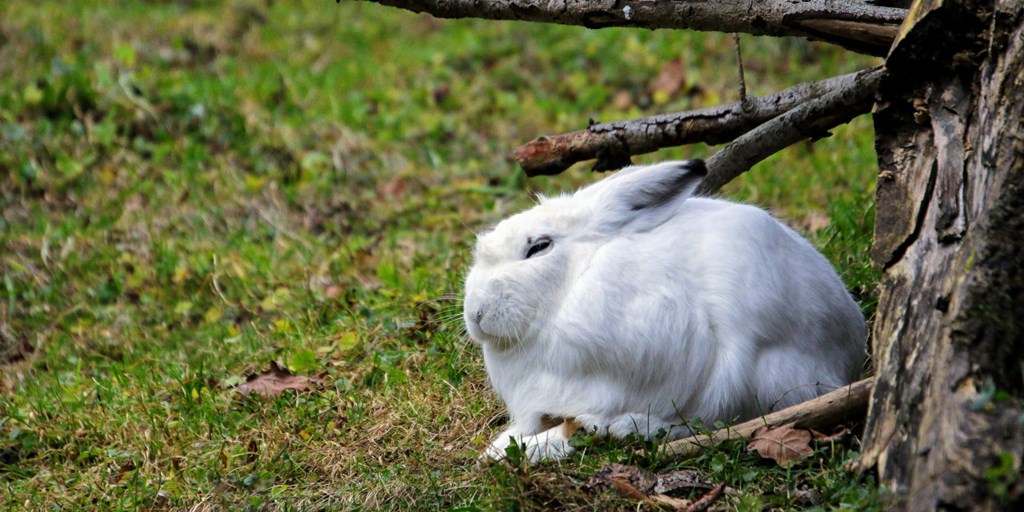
(193, 189)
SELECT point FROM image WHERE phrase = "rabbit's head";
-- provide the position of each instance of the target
(523, 266)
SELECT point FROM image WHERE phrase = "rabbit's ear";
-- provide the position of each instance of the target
(642, 197)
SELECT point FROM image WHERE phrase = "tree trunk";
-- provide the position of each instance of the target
(946, 422)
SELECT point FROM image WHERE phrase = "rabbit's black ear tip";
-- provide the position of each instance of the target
(695, 166)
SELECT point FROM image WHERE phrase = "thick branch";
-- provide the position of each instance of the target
(854, 25)
(808, 121)
(613, 143)
(833, 408)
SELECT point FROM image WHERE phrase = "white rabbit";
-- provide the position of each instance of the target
(631, 307)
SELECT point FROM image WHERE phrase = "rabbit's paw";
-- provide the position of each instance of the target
(543, 446)
(496, 450)
(548, 445)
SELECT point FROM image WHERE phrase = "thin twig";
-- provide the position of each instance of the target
(739, 64)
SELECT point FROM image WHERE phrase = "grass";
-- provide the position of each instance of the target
(191, 189)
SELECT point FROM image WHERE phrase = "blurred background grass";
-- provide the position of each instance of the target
(190, 189)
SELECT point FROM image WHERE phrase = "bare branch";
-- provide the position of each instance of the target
(854, 25)
(809, 121)
(613, 143)
(833, 408)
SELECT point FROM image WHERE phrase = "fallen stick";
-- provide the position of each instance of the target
(830, 409)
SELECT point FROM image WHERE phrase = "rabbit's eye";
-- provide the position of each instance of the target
(542, 245)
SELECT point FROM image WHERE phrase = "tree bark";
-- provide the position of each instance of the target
(946, 424)
(613, 143)
(855, 25)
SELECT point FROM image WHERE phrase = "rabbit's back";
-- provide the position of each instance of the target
(721, 310)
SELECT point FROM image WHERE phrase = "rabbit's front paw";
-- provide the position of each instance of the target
(496, 450)
(550, 445)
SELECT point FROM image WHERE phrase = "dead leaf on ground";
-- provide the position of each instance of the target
(623, 100)
(392, 189)
(813, 222)
(275, 381)
(785, 444)
(635, 483)
(670, 80)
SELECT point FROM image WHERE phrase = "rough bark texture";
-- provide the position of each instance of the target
(834, 408)
(613, 143)
(811, 120)
(858, 26)
(946, 424)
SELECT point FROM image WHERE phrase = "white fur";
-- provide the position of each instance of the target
(651, 308)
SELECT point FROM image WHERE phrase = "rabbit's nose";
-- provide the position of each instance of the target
(479, 314)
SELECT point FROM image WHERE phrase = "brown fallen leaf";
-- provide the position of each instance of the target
(813, 222)
(622, 100)
(670, 80)
(275, 381)
(333, 291)
(785, 444)
(393, 189)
